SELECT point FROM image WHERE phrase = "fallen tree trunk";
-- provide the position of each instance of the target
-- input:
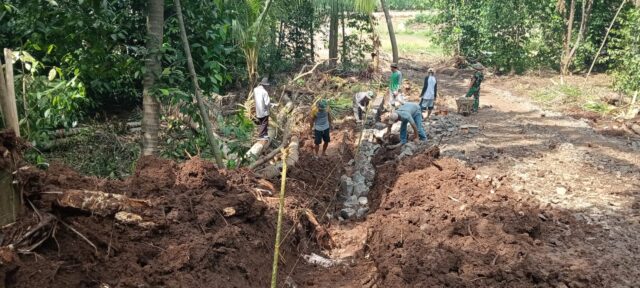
(97, 202)
(322, 236)
(273, 171)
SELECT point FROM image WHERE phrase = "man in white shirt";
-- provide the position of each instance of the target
(429, 92)
(263, 103)
(360, 103)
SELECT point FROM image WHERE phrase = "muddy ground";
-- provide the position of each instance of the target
(532, 199)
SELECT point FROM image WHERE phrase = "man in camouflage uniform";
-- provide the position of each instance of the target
(474, 86)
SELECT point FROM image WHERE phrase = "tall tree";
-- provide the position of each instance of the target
(392, 34)
(369, 6)
(334, 13)
(568, 50)
(153, 68)
(194, 78)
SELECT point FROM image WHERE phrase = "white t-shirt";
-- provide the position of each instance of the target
(430, 93)
(261, 97)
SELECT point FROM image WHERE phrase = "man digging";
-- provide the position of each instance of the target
(360, 102)
(408, 113)
(320, 124)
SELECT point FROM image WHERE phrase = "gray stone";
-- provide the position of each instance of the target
(358, 178)
(561, 190)
(362, 212)
(351, 202)
(361, 189)
(346, 186)
(379, 126)
(363, 201)
(347, 213)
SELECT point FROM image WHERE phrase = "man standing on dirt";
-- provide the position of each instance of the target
(321, 125)
(407, 113)
(429, 92)
(263, 103)
(474, 86)
(360, 103)
(395, 83)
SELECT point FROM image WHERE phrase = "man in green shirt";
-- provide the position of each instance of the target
(395, 83)
(474, 86)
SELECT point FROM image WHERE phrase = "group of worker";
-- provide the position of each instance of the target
(408, 113)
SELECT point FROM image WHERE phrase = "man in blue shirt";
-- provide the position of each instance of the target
(407, 113)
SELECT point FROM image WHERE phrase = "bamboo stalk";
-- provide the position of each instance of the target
(595, 57)
(276, 250)
(7, 94)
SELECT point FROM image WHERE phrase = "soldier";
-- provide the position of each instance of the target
(474, 86)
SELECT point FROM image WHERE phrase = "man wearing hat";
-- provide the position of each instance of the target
(474, 86)
(407, 113)
(360, 103)
(321, 126)
(395, 83)
(429, 92)
(261, 97)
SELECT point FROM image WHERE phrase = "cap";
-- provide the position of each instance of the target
(322, 104)
(264, 82)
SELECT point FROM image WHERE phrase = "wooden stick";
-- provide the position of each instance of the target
(81, 236)
(595, 57)
(276, 252)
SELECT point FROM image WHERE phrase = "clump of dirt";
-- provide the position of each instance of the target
(210, 231)
(438, 225)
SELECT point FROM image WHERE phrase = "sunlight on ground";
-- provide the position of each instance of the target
(413, 40)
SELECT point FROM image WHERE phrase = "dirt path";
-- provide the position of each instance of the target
(573, 193)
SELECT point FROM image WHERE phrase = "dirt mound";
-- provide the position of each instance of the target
(209, 230)
(441, 226)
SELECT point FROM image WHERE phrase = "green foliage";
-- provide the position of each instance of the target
(421, 18)
(52, 102)
(514, 36)
(626, 53)
(408, 4)
(100, 151)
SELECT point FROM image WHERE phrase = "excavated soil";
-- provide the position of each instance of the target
(441, 226)
(192, 244)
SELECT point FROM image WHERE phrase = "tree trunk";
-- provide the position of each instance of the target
(153, 67)
(587, 5)
(8, 95)
(595, 57)
(194, 78)
(567, 40)
(10, 200)
(345, 57)
(333, 34)
(392, 35)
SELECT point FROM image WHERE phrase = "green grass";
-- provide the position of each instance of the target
(411, 39)
(571, 95)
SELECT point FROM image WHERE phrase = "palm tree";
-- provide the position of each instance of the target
(153, 68)
(248, 35)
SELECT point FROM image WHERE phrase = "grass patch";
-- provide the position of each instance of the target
(101, 151)
(412, 38)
